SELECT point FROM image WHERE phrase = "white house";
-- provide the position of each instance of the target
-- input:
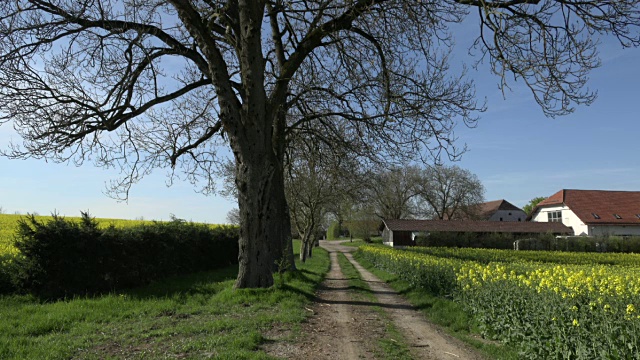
(592, 212)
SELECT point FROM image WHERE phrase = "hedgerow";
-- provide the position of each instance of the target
(60, 258)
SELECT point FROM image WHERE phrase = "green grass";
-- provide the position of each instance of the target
(392, 346)
(444, 312)
(359, 242)
(189, 317)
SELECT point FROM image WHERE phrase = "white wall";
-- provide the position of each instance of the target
(387, 237)
(569, 218)
(508, 215)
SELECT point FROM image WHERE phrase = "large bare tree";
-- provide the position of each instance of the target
(392, 192)
(450, 192)
(144, 84)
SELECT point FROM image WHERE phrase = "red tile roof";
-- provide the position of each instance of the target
(605, 204)
(555, 199)
(487, 209)
(477, 226)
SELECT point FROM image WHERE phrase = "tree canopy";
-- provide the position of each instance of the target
(532, 204)
(174, 84)
(450, 192)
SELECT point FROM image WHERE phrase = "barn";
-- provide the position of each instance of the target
(402, 233)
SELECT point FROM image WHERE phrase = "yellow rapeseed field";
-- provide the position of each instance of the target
(547, 307)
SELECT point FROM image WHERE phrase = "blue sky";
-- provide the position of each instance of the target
(518, 153)
(515, 150)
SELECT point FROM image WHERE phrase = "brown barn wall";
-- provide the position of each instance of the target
(402, 238)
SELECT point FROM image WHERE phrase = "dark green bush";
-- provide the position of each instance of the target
(583, 244)
(6, 283)
(61, 258)
(467, 240)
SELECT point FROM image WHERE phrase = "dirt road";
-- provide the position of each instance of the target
(344, 328)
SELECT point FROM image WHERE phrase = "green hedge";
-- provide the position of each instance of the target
(6, 283)
(333, 233)
(60, 258)
(474, 240)
(615, 244)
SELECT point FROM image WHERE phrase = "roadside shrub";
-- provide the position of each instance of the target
(6, 284)
(468, 239)
(61, 258)
(333, 233)
(615, 244)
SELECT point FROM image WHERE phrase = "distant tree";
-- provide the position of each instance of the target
(317, 177)
(532, 204)
(392, 192)
(362, 223)
(233, 216)
(2, 210)
(450, 192)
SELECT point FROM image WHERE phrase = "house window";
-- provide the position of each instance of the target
(595, 216)
(617, 216)
(555, 216)
(638, 216)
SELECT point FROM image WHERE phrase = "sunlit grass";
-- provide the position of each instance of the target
(196, 316)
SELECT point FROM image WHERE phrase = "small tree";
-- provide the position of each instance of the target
(532, 204)
(317, 176)
(233, 216)
(333, 232)
(363, 223)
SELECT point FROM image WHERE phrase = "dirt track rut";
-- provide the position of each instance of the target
(344, 328)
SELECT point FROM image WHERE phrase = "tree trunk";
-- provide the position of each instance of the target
(312, 241)
(258, 147)
(260, 240)
(287, 240)
(304, 244)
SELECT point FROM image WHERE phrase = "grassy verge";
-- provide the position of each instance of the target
(392, 346)
(354, 243)
(358, 242)
(444, 312)
(188, 317)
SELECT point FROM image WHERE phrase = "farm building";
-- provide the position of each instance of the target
(592, 212)
(497, 210)
(399, 233)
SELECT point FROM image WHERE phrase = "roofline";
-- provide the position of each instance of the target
(611, 223)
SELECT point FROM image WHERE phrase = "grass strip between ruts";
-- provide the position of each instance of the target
(392, 346)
